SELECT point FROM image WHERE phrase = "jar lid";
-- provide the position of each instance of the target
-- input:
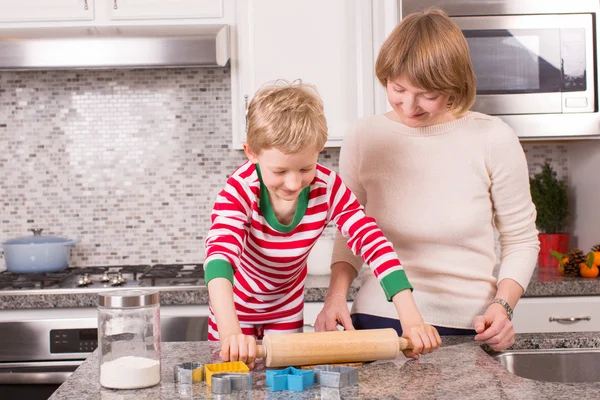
(128, 298)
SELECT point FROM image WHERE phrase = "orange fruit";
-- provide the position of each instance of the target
(588, 272)
(561, 265)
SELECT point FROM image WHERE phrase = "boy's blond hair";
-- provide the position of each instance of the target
(432, 53)
(288, 117)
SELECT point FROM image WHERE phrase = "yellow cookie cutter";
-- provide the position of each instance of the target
(234, 366)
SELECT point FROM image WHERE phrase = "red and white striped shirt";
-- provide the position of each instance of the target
(268, 259)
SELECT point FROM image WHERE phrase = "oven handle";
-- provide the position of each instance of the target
(37, 373)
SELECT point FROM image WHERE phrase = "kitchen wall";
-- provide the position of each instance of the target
(128, 161)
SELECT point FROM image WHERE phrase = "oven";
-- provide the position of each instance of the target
(535, 61)
(40, 348)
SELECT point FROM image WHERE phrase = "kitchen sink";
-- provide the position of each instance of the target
(553, 365)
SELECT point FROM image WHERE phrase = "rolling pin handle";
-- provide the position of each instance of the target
(404, 344)
(261, 351)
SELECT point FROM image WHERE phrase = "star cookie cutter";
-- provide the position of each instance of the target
(336, 376)
(231, 367)
(188, 373)
(290, 378)
(225, 383)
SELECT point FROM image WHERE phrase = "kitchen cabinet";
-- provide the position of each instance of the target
(329, 44)
(43, 13)
(557, 314)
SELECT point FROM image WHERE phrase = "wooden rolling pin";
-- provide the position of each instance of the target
(287, 349)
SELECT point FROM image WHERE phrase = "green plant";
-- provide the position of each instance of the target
(551, 200)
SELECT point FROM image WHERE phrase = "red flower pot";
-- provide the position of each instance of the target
(552, 241)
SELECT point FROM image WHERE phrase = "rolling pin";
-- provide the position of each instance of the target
(286, 349)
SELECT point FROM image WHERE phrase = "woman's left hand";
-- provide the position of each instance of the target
(494, 328)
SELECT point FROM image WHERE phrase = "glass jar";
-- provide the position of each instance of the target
(129, 338)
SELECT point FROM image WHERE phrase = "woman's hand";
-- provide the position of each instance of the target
(425, 338)
(494, 329)
(239, 347)
(334, 312)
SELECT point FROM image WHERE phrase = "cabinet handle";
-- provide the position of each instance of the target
(115, 5)
(570, 319)
(246, 111)
(85, 5)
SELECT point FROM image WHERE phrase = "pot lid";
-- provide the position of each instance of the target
(37, 238)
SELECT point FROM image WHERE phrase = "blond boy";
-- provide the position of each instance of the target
(269, 216)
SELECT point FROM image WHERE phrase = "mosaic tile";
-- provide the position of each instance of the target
(128, 161)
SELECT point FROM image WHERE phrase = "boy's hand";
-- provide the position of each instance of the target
(334, 312)
(425, 338)
(239, 347)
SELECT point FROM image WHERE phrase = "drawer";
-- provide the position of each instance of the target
(557, 314)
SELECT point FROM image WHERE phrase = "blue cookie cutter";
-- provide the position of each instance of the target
(290, 378)
(336, 376)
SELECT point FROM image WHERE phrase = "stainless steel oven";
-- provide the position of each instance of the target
(535, 61)
(40, 348)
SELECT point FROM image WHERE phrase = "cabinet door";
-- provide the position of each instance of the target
(44, 10)
(557, 314)
(325, 43)
(161, 9)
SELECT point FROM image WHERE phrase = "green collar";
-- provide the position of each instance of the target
(267, 209)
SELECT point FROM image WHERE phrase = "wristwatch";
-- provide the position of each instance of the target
(507, 307)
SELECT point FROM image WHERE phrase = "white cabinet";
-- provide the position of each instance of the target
(557, 314)
(44, 13)
(311, 310)
(329, 44)
(44, 10)
(160, 9)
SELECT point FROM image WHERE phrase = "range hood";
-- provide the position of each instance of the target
(108, 47)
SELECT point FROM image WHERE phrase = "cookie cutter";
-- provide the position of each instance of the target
(188, 373)
(336, 376)
(232, 367)
(290, 378)
(225, 383)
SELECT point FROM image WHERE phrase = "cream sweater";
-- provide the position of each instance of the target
(436, 193)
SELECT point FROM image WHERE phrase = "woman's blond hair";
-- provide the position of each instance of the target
(288, 117)
(431, 52)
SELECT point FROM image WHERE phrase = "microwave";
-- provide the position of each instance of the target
(535, 62)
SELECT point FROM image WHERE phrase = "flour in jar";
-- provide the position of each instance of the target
(130, 373)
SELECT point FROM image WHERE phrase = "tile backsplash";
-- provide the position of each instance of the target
(127, 161)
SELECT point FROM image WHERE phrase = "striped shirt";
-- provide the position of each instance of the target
(266, 260)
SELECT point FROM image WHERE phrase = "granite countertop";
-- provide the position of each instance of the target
(544, 282)
(460, 369)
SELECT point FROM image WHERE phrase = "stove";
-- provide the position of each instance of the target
(99, 278)
(40, 348)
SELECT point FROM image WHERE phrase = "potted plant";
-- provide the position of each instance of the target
(550, 196)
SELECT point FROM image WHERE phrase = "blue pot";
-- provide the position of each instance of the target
(37, 253)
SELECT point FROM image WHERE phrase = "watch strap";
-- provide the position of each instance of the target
(507, 307)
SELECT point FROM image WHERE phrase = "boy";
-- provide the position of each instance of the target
(268, 217)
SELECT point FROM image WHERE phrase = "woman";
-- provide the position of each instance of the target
(437, 178)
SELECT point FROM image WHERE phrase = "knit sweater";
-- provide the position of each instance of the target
(437, 192)
(266, 260)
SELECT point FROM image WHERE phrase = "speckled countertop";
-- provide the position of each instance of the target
(460, 369)
(545, 282)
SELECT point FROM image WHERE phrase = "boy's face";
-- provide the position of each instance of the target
(285, 175)
(415, 107)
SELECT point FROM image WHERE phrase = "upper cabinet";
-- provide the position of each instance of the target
(34, 13)
(43, 10)
(329, 44)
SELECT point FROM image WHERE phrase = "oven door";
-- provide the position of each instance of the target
(532, 64)
(34, 380)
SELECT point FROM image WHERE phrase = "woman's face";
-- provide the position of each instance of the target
(415, 107)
